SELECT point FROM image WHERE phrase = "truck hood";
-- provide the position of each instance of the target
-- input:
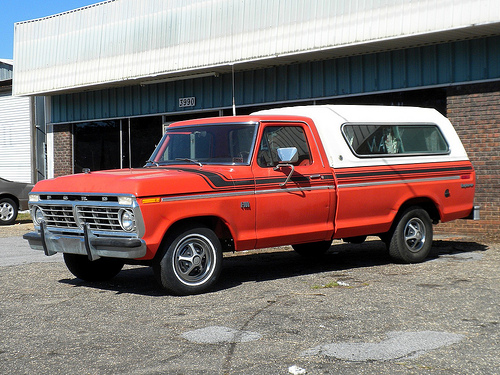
(144, 182)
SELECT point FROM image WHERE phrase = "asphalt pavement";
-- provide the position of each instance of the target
(273, 312)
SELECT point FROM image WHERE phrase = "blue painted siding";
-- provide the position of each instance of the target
(435, 65)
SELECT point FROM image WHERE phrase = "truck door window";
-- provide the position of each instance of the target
(274, 137)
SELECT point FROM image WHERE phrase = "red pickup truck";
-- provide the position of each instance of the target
(299, 176)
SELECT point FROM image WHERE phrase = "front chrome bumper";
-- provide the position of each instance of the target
(87, 244)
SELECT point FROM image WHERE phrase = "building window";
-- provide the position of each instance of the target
(114, 144)
(97, 145)
(145, 134)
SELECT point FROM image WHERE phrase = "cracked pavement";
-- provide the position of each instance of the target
(350, 312)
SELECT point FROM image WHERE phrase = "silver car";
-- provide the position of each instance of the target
(13, 198)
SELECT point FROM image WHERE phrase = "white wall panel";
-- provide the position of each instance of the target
(15, 144)
(135, 39)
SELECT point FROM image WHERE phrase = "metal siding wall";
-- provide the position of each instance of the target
(480, 62)
(493, 56)
(15, 140)
(461, 53)
(445, 64)
(429, 66)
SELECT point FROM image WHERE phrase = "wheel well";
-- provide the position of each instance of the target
(214, 223)
(424, 203)
(14, 198)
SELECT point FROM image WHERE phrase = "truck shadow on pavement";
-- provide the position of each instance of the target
(277, 263)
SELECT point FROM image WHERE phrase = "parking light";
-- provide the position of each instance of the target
(34, 197)
(125, 201)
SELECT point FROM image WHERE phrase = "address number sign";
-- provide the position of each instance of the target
(187, 102)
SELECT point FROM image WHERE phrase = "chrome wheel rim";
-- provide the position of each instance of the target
(415, 234)
(194, 260)
(6, 211)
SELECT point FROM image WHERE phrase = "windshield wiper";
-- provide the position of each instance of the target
(152, 162)
(190, 160)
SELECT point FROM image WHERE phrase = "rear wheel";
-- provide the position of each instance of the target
(8, 211)
(411, 240)
(191, 261)
(313, 249)
(98, 270)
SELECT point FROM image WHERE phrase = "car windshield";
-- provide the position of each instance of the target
(206, 144)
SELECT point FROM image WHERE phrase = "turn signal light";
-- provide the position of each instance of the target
(150, 200)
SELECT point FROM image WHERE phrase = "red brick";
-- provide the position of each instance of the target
(475, 112)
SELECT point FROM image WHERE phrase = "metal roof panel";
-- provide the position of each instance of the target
(119, 41)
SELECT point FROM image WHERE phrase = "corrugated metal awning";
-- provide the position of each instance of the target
(129, 41)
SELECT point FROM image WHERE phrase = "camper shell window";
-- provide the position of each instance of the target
(382, 140)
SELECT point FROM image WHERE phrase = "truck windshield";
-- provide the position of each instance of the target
(206, 144)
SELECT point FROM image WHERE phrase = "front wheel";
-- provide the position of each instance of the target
(191, 261)
(411, 240)
(8, 211)
(101, 269)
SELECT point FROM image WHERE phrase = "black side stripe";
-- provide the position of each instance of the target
(219, 181)
(399, 173)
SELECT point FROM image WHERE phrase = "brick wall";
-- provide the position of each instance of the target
(475, 112)
(63, 150)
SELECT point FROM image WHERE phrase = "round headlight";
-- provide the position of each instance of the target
(37, 214)
(127, 220)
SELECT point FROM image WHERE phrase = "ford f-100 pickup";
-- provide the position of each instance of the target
(299, 176)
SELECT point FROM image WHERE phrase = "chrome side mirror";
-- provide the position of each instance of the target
(287, 156)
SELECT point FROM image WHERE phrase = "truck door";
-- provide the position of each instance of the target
(298, 210)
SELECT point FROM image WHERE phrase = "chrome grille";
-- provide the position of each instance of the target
(59, 216)
(100, 218)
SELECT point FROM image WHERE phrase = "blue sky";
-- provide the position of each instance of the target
(12, 11)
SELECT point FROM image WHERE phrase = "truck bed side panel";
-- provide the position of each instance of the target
(369, 198)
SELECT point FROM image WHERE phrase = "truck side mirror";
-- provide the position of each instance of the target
(287, 156)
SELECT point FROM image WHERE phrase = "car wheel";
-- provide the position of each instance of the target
(8, 211)
(313, 249)
(101, 269)
(411, 240)
(190, 262)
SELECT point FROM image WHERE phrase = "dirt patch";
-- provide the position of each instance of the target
(17, 229)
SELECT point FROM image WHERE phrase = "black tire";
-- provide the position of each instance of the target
(313, 249)
(8, 211)
(411, 239)
(190, 262)
(101, 269)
